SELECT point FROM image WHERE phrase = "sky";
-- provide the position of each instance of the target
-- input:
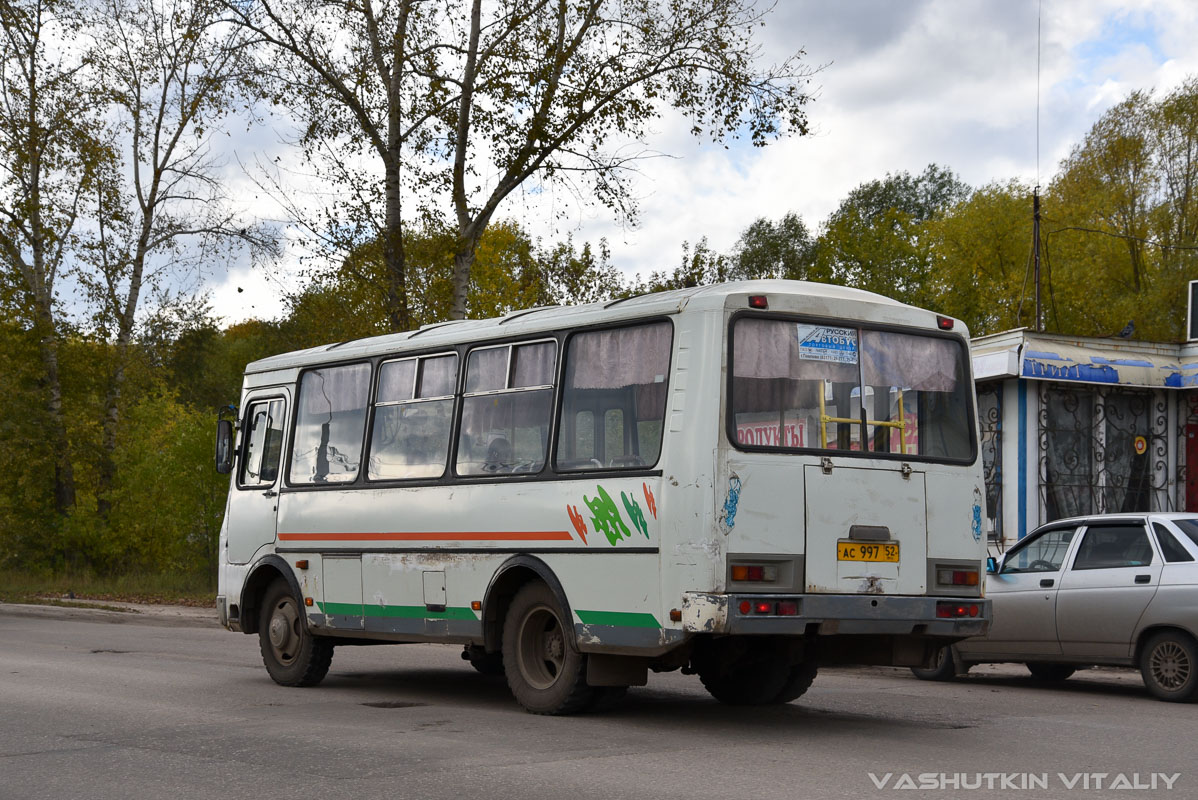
(901, 84)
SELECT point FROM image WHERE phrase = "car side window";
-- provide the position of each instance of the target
(1173, 550)
(1111, 546)
(1045, 553)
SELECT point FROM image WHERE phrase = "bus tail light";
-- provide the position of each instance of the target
(957, 610)
(759, 301)
(957, 577)
(944, 323)
(756, 573)
(773, 608)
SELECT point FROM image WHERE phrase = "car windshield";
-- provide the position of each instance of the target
(1189, 527)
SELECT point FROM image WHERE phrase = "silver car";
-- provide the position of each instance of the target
(1112, 589)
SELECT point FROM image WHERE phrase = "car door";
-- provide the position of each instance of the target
(1023, 593)
(1114, 573)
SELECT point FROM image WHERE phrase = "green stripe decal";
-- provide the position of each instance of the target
(623, 619)
(396, 612)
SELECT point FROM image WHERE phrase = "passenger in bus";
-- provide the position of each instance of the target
(499, 455)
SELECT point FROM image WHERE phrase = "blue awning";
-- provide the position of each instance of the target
(1041, 360)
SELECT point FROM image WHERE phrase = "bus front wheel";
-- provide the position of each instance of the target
(293, 656)
(545, 671)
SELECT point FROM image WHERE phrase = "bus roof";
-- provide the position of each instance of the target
(550, 318)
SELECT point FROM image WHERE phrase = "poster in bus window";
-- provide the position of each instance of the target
(827, 343)
(764, 432)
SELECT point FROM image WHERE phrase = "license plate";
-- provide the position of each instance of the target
(886, 552)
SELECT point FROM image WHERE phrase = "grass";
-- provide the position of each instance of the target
(77, 589)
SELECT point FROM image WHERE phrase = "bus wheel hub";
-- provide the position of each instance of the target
(280, 631)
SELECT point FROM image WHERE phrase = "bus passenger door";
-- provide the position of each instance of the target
(254, 500)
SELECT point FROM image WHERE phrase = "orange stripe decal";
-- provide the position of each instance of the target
(432, 536)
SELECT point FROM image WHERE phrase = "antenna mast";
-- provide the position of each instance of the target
(1036, 192)
(1036, 254)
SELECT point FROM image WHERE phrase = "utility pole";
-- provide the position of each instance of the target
(1036, 254)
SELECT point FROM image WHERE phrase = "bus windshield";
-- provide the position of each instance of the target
(838, 387)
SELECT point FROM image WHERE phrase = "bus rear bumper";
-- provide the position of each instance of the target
(835, 614)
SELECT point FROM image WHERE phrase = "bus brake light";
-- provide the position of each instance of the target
(956, 610)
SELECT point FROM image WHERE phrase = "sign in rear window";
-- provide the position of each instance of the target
(826, 343)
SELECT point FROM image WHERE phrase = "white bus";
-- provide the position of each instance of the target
(744, 481)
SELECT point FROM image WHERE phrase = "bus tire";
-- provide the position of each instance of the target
(545, 671)
(292, 655)
(798, 682)
(756, 679)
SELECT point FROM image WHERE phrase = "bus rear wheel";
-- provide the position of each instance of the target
(760, 675)
(545, 671)
(292, 655)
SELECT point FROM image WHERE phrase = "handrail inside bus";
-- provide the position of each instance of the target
(901, 423)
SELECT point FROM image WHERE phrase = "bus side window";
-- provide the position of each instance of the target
(506, 409)
(264, 443)
(330, 424)
(413, 417)
(618, 377)
(251, 464)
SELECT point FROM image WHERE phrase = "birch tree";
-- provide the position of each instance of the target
(168, 71)
(49, 159)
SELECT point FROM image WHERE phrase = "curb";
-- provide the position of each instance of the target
(135, 614)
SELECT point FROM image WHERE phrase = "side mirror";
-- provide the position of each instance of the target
(991, 565)
(224, 446)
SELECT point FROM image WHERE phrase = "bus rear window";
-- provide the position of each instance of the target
(815, 386)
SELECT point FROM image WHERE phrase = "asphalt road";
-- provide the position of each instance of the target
(100, 705)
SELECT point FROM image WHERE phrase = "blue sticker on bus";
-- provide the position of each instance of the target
(827, 343)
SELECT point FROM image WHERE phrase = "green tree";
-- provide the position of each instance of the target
(1121, 216)
(168, 500)
(876, 239)
(981, 252)
(699, 266)
(49, 159)
(782, 249)
(513, 271)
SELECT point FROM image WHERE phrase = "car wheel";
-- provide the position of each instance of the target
(292, 655)
(944, 668)
(1169, 664)
(544, 669)
(1050, 672)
